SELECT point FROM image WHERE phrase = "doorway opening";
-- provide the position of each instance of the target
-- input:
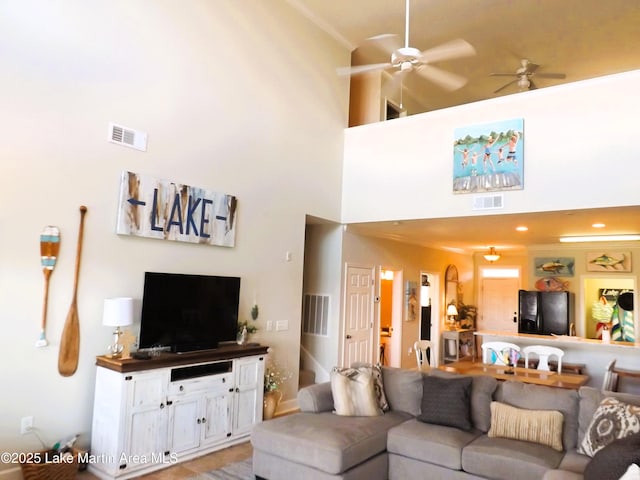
(390, 317)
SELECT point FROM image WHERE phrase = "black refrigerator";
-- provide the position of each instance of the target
(544, 313)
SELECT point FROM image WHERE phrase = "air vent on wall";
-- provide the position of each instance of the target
(315, 314)
(127, 137)
(488, 202)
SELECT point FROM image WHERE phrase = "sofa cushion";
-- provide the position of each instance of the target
(354, 392)
(482, 390)
(612, 420)
(612, 461)
(538, 426)
(431, 443)
(506, 459)
(316, 398)
(403, 389)
(446, 401)
(325, 441)
(537, 397)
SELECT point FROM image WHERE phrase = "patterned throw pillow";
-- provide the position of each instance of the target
(537, 426)
(612, 420)
(354, 392)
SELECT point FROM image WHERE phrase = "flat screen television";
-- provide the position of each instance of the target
(188, 312)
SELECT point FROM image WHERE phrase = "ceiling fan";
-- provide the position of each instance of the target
(523, 76)
(406, 59)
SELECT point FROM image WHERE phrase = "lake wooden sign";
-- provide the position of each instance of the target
(154, 208)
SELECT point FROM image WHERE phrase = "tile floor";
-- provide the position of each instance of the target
(190, 468)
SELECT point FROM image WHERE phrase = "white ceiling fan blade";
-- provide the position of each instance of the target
(503, 75)
(387, 42)
(550, 75)
(506, 85)
(343, 71)
(454, 49)
(447, 80)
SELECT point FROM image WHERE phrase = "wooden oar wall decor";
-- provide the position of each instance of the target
(70, 341)
(49, 248)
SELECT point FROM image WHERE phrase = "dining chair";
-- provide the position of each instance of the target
(543, 352)
(423, 349)
(613, 375)
(500, 353)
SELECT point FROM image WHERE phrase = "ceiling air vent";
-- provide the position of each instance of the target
(127, 137)
(488, 202)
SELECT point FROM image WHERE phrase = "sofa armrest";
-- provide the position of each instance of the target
(316, 398)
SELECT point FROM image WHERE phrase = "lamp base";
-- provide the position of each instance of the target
(116, 347)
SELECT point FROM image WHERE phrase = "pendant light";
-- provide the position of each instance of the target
(492, 256)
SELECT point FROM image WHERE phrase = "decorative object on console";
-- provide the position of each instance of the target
(492, 255)
(452, 313)
(165, 210)
(489, 157)
(49, 248)
(118, 312)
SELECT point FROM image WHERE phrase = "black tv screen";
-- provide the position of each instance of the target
(188, 312)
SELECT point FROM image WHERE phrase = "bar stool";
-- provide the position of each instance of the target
(497, 352)
(422, 348)
(613, 375)
(543, 353)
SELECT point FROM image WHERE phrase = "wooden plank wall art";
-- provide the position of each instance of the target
(165, 210)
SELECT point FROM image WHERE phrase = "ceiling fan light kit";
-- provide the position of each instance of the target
(523, 75)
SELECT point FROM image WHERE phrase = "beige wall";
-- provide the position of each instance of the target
(238, 97)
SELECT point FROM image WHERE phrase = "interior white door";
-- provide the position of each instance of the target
(499, 304)
(358, 324)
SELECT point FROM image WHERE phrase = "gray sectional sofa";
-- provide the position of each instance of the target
(318, 444)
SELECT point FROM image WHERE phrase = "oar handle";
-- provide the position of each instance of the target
(83, 211)
(47, 275)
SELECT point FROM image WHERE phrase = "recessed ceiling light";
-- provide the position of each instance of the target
(598, 225)
(600, 238)
(522, 228)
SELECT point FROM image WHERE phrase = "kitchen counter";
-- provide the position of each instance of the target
(595, 354)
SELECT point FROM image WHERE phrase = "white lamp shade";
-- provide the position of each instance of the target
(118, 312)
(452, 310)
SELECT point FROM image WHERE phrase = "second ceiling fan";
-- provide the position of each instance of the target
(406, 59)
(524, 76)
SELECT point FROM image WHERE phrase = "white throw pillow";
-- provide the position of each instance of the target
(354, 393)
(632, 473)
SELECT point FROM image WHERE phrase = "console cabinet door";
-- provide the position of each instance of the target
(146, 420)
(184, 423)
(249, 381)
(216, 419)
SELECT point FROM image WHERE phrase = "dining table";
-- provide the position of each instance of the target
(518, 374)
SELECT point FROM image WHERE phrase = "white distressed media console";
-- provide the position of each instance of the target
(150, 414)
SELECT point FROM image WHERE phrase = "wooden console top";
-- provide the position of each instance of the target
(226, 352)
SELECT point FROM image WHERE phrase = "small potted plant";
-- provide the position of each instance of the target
(274, 378)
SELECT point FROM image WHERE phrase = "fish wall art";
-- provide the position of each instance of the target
(553, 266)
(609, 262)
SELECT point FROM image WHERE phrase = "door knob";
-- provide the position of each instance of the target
(348, 337)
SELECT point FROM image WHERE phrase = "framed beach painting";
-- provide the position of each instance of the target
(609, 262)
(489, 157)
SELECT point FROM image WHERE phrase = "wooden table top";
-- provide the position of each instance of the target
(518, 374)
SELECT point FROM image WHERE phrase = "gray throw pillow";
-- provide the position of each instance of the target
(446, 401)
(612, 461)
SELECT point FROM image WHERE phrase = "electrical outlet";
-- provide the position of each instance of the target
(410, 351)
(269, 325)
(26, 425)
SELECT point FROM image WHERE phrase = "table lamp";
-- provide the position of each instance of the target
(452, 312)
(118, 312)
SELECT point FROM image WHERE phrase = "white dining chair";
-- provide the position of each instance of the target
(423, 349)
(543, 352)
(497, 352)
